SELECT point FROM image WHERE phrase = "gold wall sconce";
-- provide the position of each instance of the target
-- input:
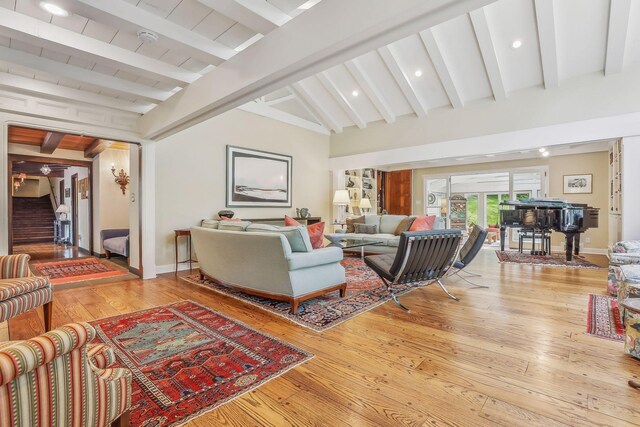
(122, 179)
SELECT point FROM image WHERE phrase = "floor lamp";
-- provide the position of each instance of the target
(340, 199)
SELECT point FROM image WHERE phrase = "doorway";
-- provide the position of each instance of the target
(74, 209)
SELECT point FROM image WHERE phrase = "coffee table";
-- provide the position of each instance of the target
(352, 244)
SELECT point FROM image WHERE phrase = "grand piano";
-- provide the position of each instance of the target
(544, 215)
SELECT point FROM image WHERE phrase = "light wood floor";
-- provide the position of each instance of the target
(47, 251)
(514, 354)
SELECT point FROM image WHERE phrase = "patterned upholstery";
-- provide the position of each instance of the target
(20, 291)
(50, 380)
(622, 253)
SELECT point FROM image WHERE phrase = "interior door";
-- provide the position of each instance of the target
(397, 189)
(74, 209)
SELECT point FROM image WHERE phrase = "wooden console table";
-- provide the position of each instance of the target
(183, 232)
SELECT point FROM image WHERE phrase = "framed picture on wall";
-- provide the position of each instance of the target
(83, 188)
(258, 178)
(67, 192)
(578, 184)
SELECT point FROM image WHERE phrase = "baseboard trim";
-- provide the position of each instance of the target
(135, 271)
(170, 268)
(98, 255)
(84, 251)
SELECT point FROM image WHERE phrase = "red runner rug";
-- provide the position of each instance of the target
(551, 260)
(603, 320)
(365, 291)
(76, 270)
(187, 360)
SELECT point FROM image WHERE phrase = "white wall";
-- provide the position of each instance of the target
(191, 173)
(630, 193)
(83, 206)
(111, 206)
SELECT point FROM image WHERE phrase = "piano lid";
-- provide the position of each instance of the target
(542, 203)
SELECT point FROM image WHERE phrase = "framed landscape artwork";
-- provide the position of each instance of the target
(83, 188)
(578, 184)
(258, 178)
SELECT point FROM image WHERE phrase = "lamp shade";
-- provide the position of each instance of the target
(341, 197)
(365, 203)
(63, 209)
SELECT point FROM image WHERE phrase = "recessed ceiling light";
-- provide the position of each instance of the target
(516, 44)
(542, 150)
(53, 9)
(418, 73)
(355, 93)
(545, 154)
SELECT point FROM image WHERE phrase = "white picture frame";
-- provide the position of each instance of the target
(577, 184)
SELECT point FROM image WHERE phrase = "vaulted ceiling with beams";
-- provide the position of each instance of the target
(491, 52)
(95, 55)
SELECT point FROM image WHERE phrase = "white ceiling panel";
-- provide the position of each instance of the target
(383, 80)
(510, 21)
(632, 47)
(25, 47)
(56, 56)
(152, 50)
(213, 25)
(235, 36)
(293, 107)
(194, 65)
(127, 40)
(413, 57)
(320, 94)
(73, 22)
(581, 29)
(81, 62)
(287, 6)
(159, 7)
(189, 13)
(31, 8)
(21, 71)
(99, 31)
(460, 51)
(346, 85)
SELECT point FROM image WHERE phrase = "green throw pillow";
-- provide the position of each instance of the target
(233, 225)
(297, 236)
(210, 223)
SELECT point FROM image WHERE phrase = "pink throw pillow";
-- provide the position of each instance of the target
(423, 223)
(315, 231)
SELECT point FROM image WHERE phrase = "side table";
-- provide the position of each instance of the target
(183, 232)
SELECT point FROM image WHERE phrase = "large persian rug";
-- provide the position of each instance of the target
(603, 320)
(77, 270)
(187, 359)
(365, 291)
(550, 260)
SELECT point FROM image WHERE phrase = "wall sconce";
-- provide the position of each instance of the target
(122, 179)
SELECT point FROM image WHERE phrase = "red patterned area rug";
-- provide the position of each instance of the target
(603, 320)
(551, 260)
(76, 270)
(187, 359)
(365, 291)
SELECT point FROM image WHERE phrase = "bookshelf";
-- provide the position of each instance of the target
(361, 183)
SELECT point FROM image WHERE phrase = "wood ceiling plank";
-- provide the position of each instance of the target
(51, 142)
(96, 147)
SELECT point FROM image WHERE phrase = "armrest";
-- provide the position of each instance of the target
(115, 232)
(322, 256)
(340, 231)
(28, 355)
(14, 266)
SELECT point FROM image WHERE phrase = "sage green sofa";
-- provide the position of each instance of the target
(262, 262)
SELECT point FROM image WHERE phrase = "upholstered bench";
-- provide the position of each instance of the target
(629, 285)
(620, 254)
(115, 241)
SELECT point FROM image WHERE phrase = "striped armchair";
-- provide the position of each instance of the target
(53, 380)
(20, 291)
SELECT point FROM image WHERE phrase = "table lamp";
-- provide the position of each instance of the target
(341, 198)
(63, 209)
(365, 204)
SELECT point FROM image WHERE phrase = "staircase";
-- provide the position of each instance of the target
(32, 220)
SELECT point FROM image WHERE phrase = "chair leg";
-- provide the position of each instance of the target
(122, 420)
(394, 296)
(47, 311)
(475, 285)
(446, 291)
(294, 305)
(469, 274)
(343, 290)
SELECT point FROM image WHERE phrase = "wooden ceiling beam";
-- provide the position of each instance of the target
(96, 147)
(82, 75)
(43, 34)
(54, 91)
(341, 99)
(488, 52)
(442, 69)
(617, 36)
(246, 14)
(418, 104)
(371, 90)
(51, 141)
(545, 19)
(119, 13)
(307, 100)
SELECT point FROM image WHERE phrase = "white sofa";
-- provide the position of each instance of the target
(387, 225)
(262, 263)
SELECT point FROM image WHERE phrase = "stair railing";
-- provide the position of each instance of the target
(52, 196)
